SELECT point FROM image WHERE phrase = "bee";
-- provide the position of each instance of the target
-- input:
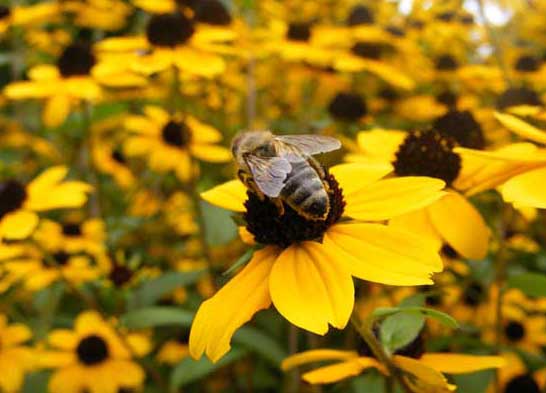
(281, 167)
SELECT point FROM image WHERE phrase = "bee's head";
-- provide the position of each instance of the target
(248, 142)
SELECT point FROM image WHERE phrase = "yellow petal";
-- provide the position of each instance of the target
(63, 195)
(521, 127)
(128, 44)
(316, 355)
(340, 371)
(63, 339)
(220, 316)
(418, 223)
(381, 143)
(198, 62)
(461, 225)
(156, 6)
(310, 288)
(47, 179)
(354, 177)
(230, 196)
(18, 224)
(527, 189)
(389, 198)
(452, 363)
(422, 378)
(211, 153)
(43, 72)
(203, 133)
(384, 254)
(56, 110)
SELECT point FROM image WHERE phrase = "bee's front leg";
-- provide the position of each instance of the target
(280, 206)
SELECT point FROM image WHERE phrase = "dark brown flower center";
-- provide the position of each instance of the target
(61, 258)
(92, 350)
(169, 30)
(299, 32)
(473, 294)
(176, 133)
(461, 126)
(428, 153)
(12, 196)
(448, 98)
(347, 107)
(4, 12)
(446, 16)
(514, 331)
(395, 31)
(522, 384)
(212, 12)
(118, 156)
(76, 60)
(515, 96)
(72, 229)
(269, 227)
(388, 94)
(120, 275)
(360, 15)
(367, 50)
(466, 19)
(527, 63)
(446, 63)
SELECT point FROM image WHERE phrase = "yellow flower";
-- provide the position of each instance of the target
(72, 236)
(178, 212)
(422, 372)
(19, 203)
(15, 358)
(306, 267)
(170, 142)
(173, 351)
(97, 14)
(26, 15)
(516, 377)
(109, 159)
(93, 357)
(63, 86)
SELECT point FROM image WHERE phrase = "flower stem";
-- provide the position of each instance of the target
(365, 330)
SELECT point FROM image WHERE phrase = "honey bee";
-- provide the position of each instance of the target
(282, 168)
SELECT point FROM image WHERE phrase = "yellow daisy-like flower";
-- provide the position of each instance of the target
(97, 14)
(63, 86)
(26, 15)
(423, 372)
(109, 158)
(93, 357)
(170, 142)
(178, 213)
(171, 40)
(15, 358)
(20, 203)
(173, 351)
(306, 267)
(452, 219)
(72, 236)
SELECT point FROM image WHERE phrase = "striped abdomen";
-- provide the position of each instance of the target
(304, 192)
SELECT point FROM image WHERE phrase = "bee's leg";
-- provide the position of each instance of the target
(280, 206)
(247, 180)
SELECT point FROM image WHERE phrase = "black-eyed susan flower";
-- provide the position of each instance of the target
(179, 214)
(72, 236)
(26, 15)
(305, 267)
(110, 159)
(516, 377)
(20, 203)
(171, 142)
(16, 359)
(174, 350)
(94, 357)
(63, 86)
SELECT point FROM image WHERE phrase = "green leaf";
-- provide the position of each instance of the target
(151, 291)
(371, 382)
(243, 260)
(447, 320)
(189, 370)
(157, 316)
(260, 343)
(400, 329)
(532, 284)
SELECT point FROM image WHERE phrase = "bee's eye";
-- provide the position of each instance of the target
(265, 151)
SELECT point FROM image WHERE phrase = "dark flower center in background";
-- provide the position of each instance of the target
(117, 155)
(388, 94)
(76, 60)
(473, 294)
(461, 126)
(515, 96)
(428, 153)
(446, 63)
(447, 16)
(4, 12)
(522, 384)
(395, 31)
(448, 98)
(183, 337)
(299, 32)
(367, 50)
(514, 331)
(12, 196)
(61, 258)
(432, 298)
(466, 19)
(119, 275)
(360, 15)
(449, 251)
(416, 24)
(212, 12)
(176, 133)
(347, 107)
(169, 30)
(527, 63)
(72, 229)
(268, 227)
(92, 350)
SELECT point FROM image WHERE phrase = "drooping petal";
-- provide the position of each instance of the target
(521, 128)
(453, 363)
(230, 195)
(527, 189)
(461, 225)
(18, 224)
(418, 222)
(340, 371)
(56, 110)
(422, 378)
(389, 198)
(220, 316)
(311, 288)
(383, 254)
(316, 355)
(356, 176)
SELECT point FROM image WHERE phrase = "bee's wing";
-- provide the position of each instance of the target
(269, 173)
(306, 144)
